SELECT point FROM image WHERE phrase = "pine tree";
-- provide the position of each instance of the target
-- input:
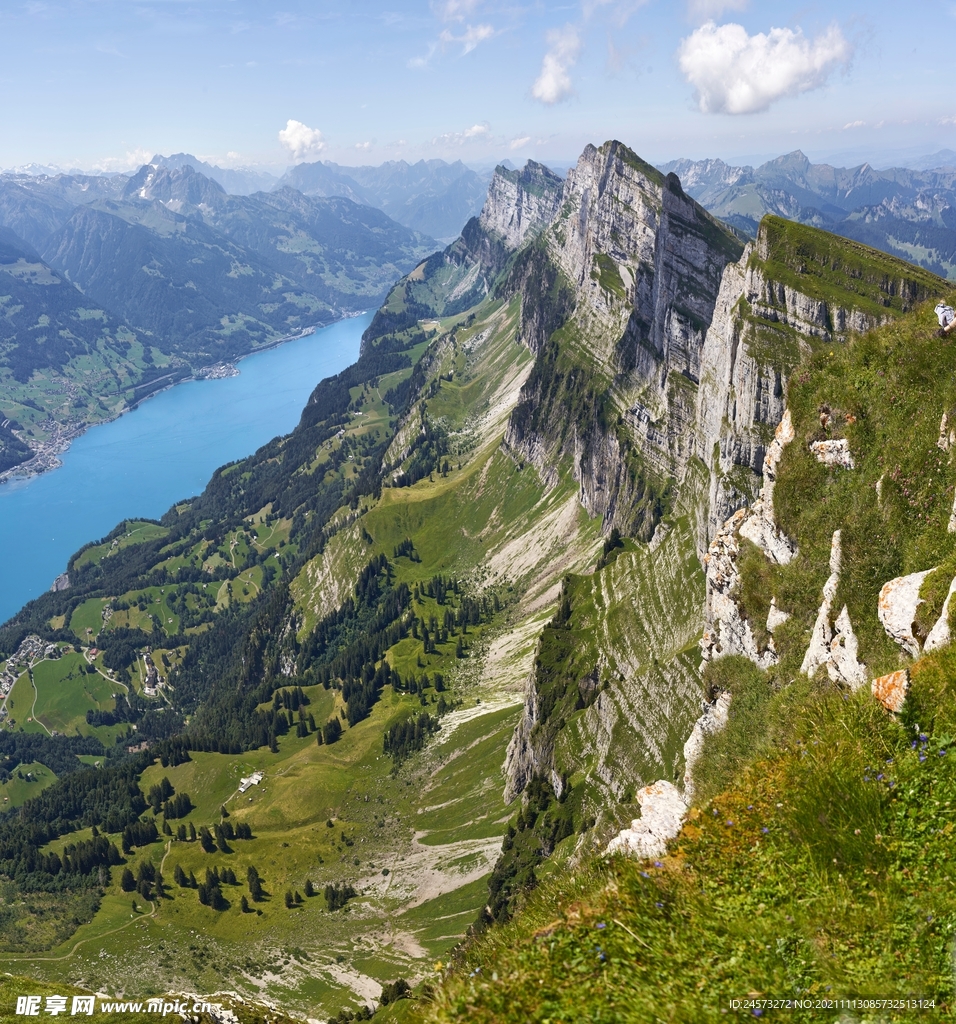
(127, 882)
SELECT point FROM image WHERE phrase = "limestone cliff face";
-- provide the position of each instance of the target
(520, 203)
(760, 329)
(615, 392)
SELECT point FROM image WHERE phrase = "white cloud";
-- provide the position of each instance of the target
(301, 141)
(854, 124)
(553, 82)
(134, 159)
(472, 36)
(735, 73)
(363, 145)
(519, 143)
(475, 132)
(704, 10)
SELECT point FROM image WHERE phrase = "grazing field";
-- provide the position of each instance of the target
(27, 780)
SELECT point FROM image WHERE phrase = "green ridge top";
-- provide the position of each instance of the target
(839, 270)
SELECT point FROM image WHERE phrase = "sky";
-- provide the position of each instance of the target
(105, 84)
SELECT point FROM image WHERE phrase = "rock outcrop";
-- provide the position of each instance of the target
(891, 690)
(898, 602)
(520, 203)
(662, 815)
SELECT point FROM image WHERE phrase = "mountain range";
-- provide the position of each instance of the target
(909, 213)
(656, 516)
(161, 273)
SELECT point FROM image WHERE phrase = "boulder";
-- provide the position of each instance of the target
(662, 815)
(898, 602)
(890, 690)
(835, 453)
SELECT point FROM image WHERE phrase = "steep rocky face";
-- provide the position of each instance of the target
(792, 289)
(615, 392)
(520, 203)
(519, 206)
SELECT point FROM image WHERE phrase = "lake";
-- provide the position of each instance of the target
(165, 450)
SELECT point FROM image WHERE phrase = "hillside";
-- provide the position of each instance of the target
(169, 275)
(499, 537)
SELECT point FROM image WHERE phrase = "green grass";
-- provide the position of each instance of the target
(821, 871)
(137, 531)
(88, 615)
(19, 787)
(65, 692)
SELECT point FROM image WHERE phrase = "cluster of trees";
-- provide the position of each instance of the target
(139, 833)
(404, 738)
(428, 450)
(337, 894)
(58, 753)
(407, 550)
(147, 875)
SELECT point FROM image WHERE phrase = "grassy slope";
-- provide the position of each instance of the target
(821, 863)
(436, 825)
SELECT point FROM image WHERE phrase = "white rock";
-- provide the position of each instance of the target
(713, 718)
(898, 602)
(775, 617)
(843, 665)
(835, 453)
(947, 435)
(835, 646)
(939, 635)
(662, 815)
(952, 518)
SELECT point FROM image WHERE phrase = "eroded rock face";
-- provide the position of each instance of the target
(939, 635)
(891, 690)
(713, 718)
(899, 599)
(833, 645)
(520, 203)
(662, 815)
(727, 631)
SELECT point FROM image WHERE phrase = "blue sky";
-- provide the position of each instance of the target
(106, 83)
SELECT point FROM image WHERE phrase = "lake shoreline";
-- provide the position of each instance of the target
(47, 457)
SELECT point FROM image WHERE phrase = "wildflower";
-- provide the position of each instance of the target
(889, 760)
(729, 822)
(941, 753)
(765, 829)
(879, 777)
(750, 807)
(644, 874)
(658, 904)
(601, 924)
(756, 1011)
(923, 737)
(658, 864)
(922, 757)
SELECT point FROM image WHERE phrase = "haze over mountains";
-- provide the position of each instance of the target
(118, 284)
(910, 213)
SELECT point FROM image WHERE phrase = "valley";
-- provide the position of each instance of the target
(399, 677)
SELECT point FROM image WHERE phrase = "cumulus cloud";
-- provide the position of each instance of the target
(301, 141)
(519, 143)
(470, 38)
(735, 73)
(554, 82)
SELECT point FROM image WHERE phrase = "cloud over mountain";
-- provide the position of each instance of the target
(554, 82)
(301, 141)
(736, 73)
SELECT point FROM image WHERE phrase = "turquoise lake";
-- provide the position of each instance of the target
(156, 455)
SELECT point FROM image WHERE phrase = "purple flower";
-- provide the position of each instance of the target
(765, 829)
(923, 737)
(750, 807)
(922, 757)
(879, 777)
(913, 745)
(757, 1012)
(889, 760)
(942, 753)
(658, 904)
(658, 864)
(644, 874)
(729, 822)
(601, 924)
